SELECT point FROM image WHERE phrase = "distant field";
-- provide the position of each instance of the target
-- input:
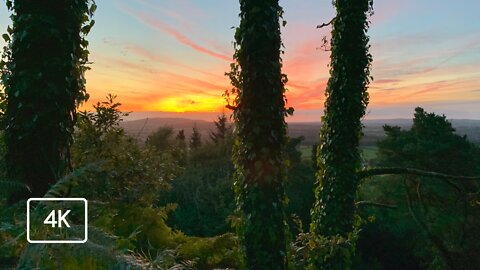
(306, 151)
(373, 130)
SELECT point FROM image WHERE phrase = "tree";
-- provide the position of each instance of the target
(136, 174)
(259, 113)
(442, 212)
(180, 139)
(162, 139)
(222, 129)
(195, 139)
(338, 157)
(43, 75)
(203, 192)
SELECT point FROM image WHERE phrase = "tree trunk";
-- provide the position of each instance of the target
(261, 135)
(338, 156)
(44, 83)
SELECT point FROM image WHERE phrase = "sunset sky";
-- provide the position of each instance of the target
(171, 55)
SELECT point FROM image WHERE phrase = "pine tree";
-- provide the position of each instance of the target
(222, 129)
(180, 139)
(195, 139)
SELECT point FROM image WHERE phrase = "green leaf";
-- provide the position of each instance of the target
(6, 37)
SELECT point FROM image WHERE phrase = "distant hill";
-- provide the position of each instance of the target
(373, 131)
(140, 129)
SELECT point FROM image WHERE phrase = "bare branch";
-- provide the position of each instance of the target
(369, 203)
(437, 241)
(411, 171)
(326, 24)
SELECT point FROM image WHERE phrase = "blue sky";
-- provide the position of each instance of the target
(160, 55)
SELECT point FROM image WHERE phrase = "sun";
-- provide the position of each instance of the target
(187, 103)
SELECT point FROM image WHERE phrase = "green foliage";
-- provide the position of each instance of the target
(162, 139)
(43, 63)
(129, 172)
(259, 113)
(91, 255)
(220, 251)
(299, 190)
(441, 215)
(10, 187)
(205, 199)
(12, 232)
(153, 236)
(311, 249)
(122, 182)
(430, 137)
(203, 191)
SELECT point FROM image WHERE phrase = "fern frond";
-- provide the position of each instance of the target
(9, 187)
(63, 186)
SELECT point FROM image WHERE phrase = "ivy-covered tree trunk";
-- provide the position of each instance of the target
(338, 158)
(44, 82)
(260, 134)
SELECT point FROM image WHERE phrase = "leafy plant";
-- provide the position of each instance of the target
(129, 172)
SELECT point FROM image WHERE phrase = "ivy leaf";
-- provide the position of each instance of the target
(6, 37)
(290, 111)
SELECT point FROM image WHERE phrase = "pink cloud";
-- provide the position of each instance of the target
(180, 37)
(145, 53)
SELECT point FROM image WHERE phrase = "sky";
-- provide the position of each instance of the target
(168, 58)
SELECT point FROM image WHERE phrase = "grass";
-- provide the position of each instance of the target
(306, 151)
(369, 152)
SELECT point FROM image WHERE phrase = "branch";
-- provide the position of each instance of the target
(396, 170)
(230, 107)
(326, 24)
(369, 203)
(437, 241)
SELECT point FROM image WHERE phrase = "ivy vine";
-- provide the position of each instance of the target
(43, 68)
(338, 156)
(260, 134)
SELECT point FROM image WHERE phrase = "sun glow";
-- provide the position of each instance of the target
(189, 103)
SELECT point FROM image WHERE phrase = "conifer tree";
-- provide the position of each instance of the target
(195, 139)
(222, 129)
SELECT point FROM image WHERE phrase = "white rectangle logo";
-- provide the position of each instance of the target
(60, 220)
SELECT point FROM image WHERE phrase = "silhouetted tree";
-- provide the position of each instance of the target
(180, 138)
(222, 129)
(180, 152)
(195, 139)
(161, 139)
(43, 76)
